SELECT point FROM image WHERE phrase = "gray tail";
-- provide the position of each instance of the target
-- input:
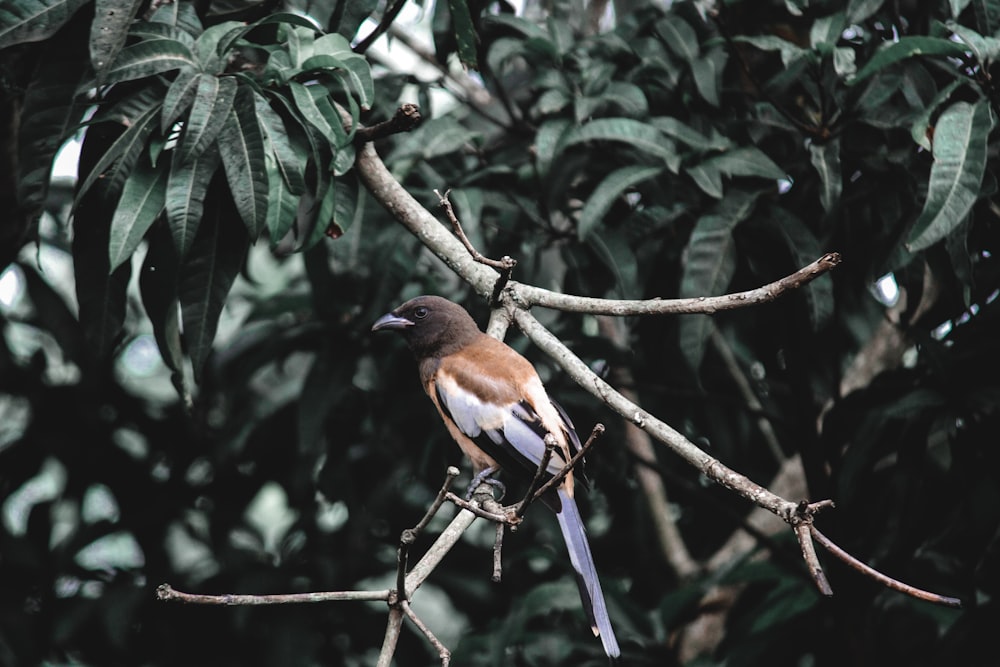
(586, 574)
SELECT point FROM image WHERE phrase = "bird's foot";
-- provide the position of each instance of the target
(484, 476)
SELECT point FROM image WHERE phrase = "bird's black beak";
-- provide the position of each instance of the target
(390, 321)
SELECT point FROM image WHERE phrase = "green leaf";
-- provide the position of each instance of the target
(210, 109)
(34, 20)
(908, 47)
(465, 33)
(746, 161)
(825, 159)
(179, 97)
(290, 160)
(607, 192)
(675, 129)
(789, 52)
(548, 139)
(101, 297)
(48, 115)
(147, 58)
(208, 273)
(707, 73)
(315, 107)
(241, 145)
(141, 202)
(960, 147)
(805, 248)
(860, 10)
(625, 130)
(922, 123)
(707, 177)
(187, 187)
(212, 59)
(109, 30)
(117, 162)
(158, 290)
(679, 37)
(709, 264)
(282, 205)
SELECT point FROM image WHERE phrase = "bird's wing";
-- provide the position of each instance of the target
(500, 416)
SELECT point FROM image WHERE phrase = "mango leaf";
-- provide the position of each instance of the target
(116, 163)
(315, 107)
(707, 73)
(147, 58)
(289, 160)
(788, 51)
(465, 33)
(34, 20)
(48, 116)
(547, 141)
(746, 161)
(679, 37)
(708, 178)
(607, 192)
(141, 202)
(158, 290)
(282, 205)
(241, 145)
(210, 109)
(101, 294)
(232, 36)
(625, 130)
(208, 51)
(908, 47)
(805, 248)
(179, 97)
(709, 264)
(859, 10)
(208, 273)
(825, 159)
(675, 129)
(959, 163)
(187, 187)
(109, 30)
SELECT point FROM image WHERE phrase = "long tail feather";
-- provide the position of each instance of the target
(583, 562)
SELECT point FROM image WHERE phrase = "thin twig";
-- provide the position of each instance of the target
(383, 25)
(883, 579)
(443, 652)
(167, 593)
(543, 466)
(392, 627)
(497, 550)
(479, 511)
(526, 296)
(812, 561)
(558, 477)
(505, 265)
(450, 475)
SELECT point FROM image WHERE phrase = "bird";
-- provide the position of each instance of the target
(495, 407)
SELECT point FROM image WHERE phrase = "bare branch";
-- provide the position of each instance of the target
(167, 593)
(406, 118)
(572, 463)
(883, 579)
(526, 296)
(505, 265)
(812, 561)
(443, 652)
(543, 465)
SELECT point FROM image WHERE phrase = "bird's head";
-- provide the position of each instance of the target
(430, 325)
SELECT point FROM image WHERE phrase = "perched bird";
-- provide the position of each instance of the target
(495, 407)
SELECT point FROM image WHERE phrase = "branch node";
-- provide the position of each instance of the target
(406, 118)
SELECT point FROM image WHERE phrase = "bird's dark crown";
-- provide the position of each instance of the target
(431, 325)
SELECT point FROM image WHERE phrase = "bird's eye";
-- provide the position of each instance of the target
(420, 313)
